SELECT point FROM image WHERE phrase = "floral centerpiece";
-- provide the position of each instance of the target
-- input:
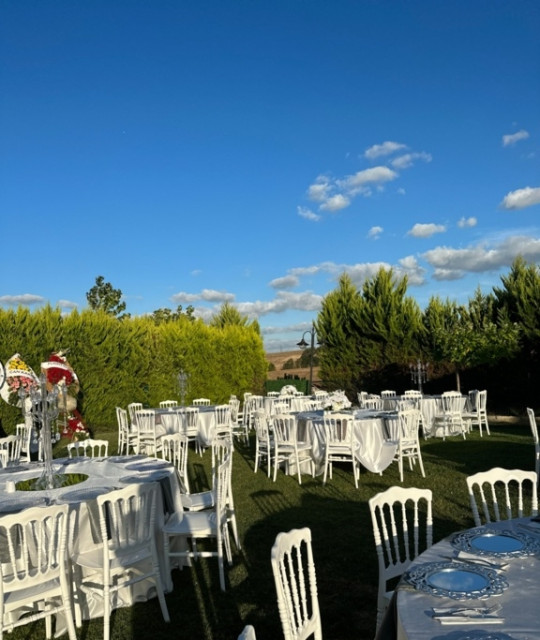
(288, 390)
(20, 380)
(338, 401)
(59, 372)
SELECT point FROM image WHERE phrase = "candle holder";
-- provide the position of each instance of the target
(183, 379)
(419, 373)
(44, 410)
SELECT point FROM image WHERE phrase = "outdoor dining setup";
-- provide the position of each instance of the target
(107, 527)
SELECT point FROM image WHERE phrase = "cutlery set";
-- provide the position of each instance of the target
(467, 615)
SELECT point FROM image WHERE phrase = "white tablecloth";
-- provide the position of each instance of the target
(519, 602)
(205, 424)
(375, 451)
(431, 407)
(109, 473)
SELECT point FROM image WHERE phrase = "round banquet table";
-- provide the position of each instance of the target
(375, 449)
(519, 601)
(104, 475)
(205, 423)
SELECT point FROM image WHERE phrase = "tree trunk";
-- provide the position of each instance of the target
(458, 381)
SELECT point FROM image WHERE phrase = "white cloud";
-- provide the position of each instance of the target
(319, 190)
(284, 301)
(409, 267)
(335, 203)
(426, 230)
(22, 299)
(308, 214)
(401, 191)
(208, 295)
(512, 138)
(452, 264)
(375, 232)
(407, 160)
(299, 326)
(521, 198)
(367, 176)
(463, 223)
(67, 304)
(286, 282)
(196, 272)
(384, 149)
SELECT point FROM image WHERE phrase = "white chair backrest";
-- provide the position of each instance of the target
(284, 427)
(145, 420)
(12, 446)
(481, 400)
(191, 417)
(375, 403)
(388, 394)
(132, 408)
(234, 405)
(409, 424)
(33, 552)
(412, 393)
(296, 585)
(532, 423)
(201, 402)
(403, 528)
(168, 404)
(502, 486)
(248, 633)
(127, 517)
(88, 448)
(273, 394)
(24, 432)
(452, 402)
(222, 414)
(338, 428)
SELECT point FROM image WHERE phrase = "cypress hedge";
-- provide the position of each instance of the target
(133, 359)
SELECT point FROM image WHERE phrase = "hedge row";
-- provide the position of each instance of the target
(134, 359)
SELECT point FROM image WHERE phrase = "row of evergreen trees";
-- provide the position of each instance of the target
(123, 360)
(371, 334)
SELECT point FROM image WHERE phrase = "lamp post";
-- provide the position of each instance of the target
(419, 373)
(183, 378)
(303, 344)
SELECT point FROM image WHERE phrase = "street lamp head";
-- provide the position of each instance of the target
(302, 344)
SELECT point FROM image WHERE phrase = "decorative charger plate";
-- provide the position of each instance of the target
(457, 581)
(16, 504)
(504, 544)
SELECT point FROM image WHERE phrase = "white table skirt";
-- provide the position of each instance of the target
(431, 407)
(113, 473)
(205, 424)
(375, 452)
(519, 602)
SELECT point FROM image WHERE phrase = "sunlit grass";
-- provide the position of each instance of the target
(343, 546)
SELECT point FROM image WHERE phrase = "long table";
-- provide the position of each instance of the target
(518, 601)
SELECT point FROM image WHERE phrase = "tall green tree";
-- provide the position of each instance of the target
(168, 315)
(466, 336)
(104, 297)
(388, 321)
(336, 332)
(228, 315)
(519, 298)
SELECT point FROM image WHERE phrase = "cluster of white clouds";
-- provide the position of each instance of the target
(521, 198)
(333, 194)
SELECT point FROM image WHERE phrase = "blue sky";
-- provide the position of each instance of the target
(252, 151)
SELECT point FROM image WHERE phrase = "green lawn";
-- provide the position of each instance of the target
(343, 546)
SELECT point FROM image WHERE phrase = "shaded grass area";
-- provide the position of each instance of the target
(343, 547)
